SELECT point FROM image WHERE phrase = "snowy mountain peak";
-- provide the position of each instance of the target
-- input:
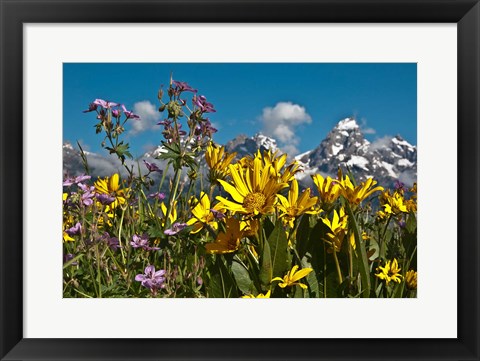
(244, 145)
(347, 124)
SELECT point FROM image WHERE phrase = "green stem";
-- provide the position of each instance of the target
(171, 198)
(120, 238)
(337, 265)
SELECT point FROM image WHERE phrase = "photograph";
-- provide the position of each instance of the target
(239, 180)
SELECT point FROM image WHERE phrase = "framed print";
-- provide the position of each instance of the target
(209, 152)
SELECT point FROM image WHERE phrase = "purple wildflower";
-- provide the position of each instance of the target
(176, 227)
(142, 242)
(111, 242)
(105, 199)
(116, 113)
(76, 229)
(91, 107)
(81, 178)
(181, 86)
(129, 114)
(157, 195)
(202, 103)
(399, 186)
(67, 258)
(217, 214)
(152, 167)
(105, 104)
(87, 194)
(151, 279)
(68, 181)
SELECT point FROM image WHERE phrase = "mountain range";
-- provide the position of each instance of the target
(386, 159)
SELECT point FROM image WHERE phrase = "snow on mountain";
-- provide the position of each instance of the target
(386, 159)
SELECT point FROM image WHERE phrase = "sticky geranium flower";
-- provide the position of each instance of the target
(152, 167)
(129, 114)
(202, 104)
(87, 194)
(105, 104)
(151, 279)
(76, 229)
(181, 86)
(104, 199)
(91, 108)
(157, 195)
(176, 228)
(142, 242)
(291, 278)
(111, 186)
(390, 272)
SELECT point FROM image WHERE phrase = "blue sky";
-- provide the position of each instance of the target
(298, 103)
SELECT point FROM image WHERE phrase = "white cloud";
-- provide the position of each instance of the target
(381, 142)
(365, 129)
(149, 117)
(281, 121)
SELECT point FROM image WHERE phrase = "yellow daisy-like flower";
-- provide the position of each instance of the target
(411, 280)
(355, 195)
(328, 188)
(393, 204)
(111, 186)
(260, 295)
(254, 191)
(173, 213)
(218, 161)
(295, 206)
(228, 241)
(390, 272)
(338, 229)
(291, 278)
(67, 221)
(250, 226)
(203, 215)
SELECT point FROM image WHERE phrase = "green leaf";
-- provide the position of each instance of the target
(242, 278)
(266, 269)
(363, 260)
(221, 283)
(278, 250)
(303, 236)
(411, 225)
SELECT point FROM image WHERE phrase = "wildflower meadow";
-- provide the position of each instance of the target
(211, 224)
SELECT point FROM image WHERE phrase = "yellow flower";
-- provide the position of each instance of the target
(254, 191)
(390, 272)
(67, 221)
(294, 206)
(250, 226)
(328, 188)
(173, 213)
(411, 280)
(228, 241)
(111, 186)
(291, 278)
(260, 295)
(218, 161)
(357, 194)
(202, 214)
(393, 204)
(338, 229)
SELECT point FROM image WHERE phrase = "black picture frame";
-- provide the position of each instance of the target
(14, 13)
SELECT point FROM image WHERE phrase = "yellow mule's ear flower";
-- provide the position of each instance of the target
(218, 161)
(338, 227)
(393, 204)
(253, 190)
(291, 278)
(355, 195)
(390, 272)
(295, 206)
(202, 214)
(411, 280)
(228, 241)
(260, 295)
(328, 188)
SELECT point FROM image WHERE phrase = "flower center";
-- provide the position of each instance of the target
(254, 201)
